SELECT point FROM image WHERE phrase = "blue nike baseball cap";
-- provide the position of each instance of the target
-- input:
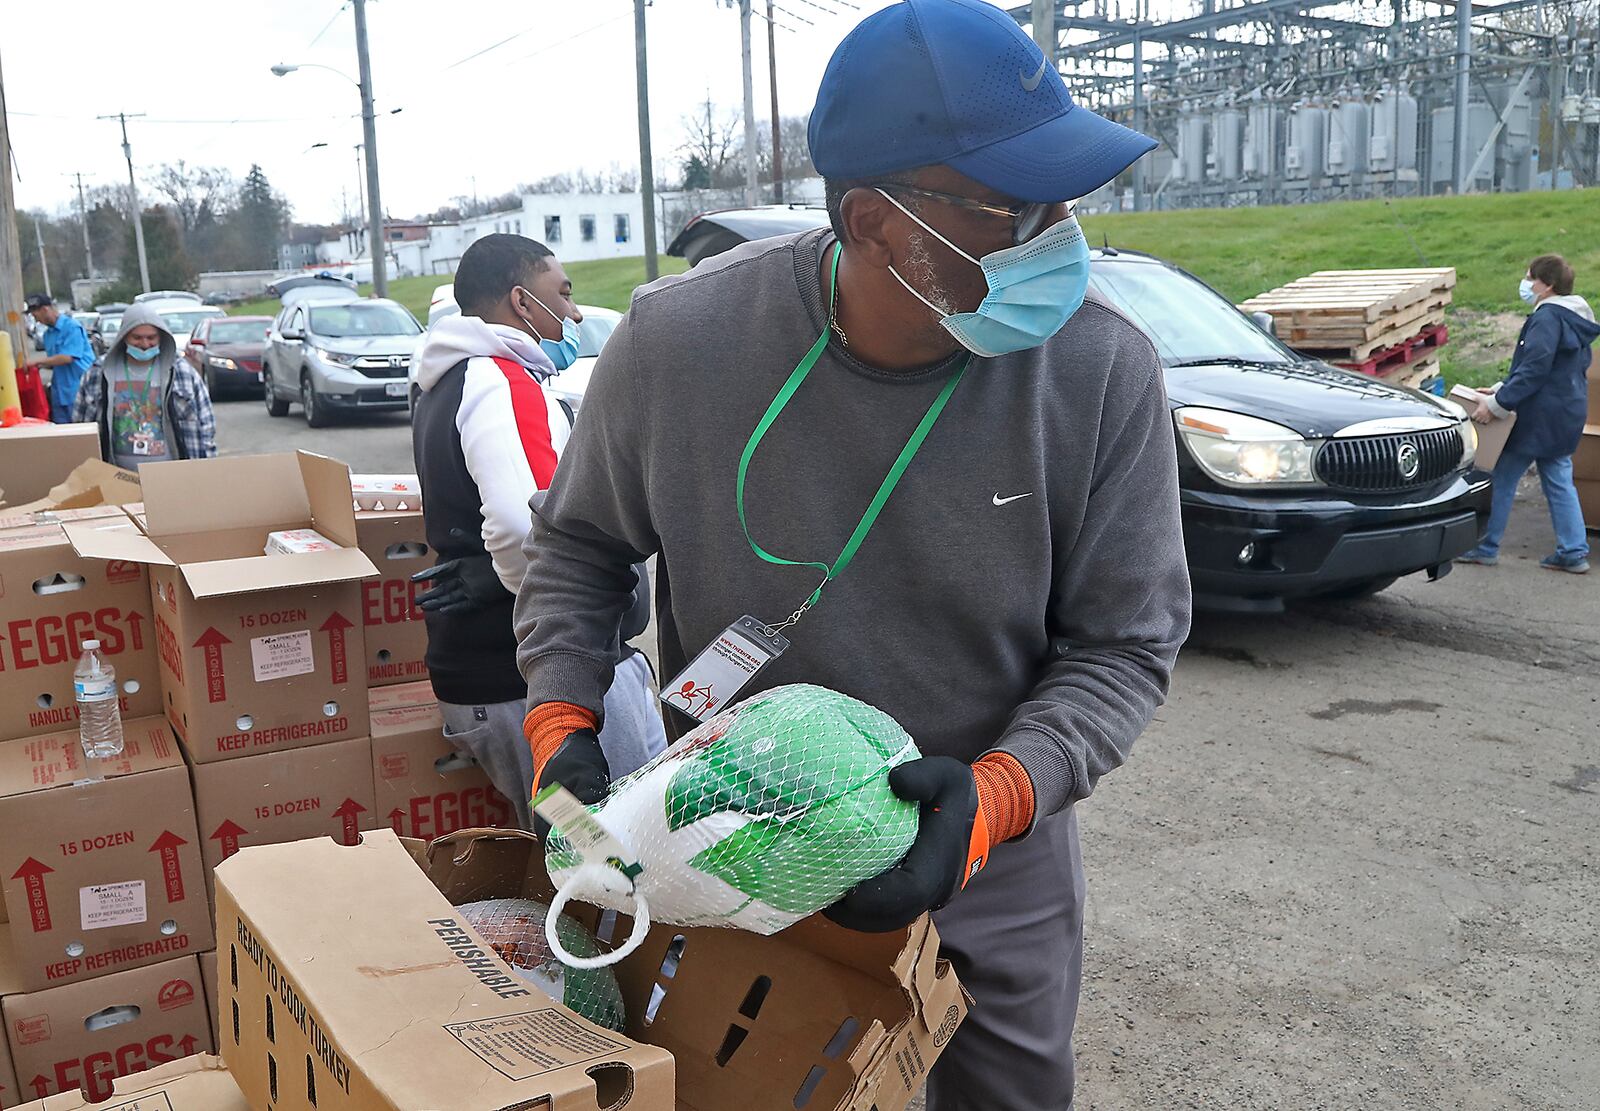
(957, 83)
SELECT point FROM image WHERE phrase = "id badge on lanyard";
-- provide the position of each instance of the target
(726, 665)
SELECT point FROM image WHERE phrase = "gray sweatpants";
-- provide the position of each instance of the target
(1015, 938)
(492, 735)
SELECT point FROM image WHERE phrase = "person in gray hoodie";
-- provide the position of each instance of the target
(1547, 388)
(149, 403)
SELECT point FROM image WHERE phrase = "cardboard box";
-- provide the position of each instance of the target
(397, 638)
(65, 1037)
(1594, 390)
(323, 791)
(425, 787)
(208, 977)
(91, 483)
(36, 457)
(1586, 469)
(258, 652)
(198, 1083)
(100, 876)
(387, 492)
(1491, 436)
(51, 601)
(10, 1094)
(411, 1012)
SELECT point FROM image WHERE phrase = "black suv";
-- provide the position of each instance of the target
(1297, 478)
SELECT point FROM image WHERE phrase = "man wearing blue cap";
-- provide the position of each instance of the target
(918, 408)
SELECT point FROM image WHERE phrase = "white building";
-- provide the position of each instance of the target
(576, 226)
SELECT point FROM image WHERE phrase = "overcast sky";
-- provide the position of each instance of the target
(557, 97)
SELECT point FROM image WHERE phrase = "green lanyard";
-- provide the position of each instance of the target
(885, 488)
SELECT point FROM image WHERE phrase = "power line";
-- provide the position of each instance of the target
(794, 15)
(331, 20)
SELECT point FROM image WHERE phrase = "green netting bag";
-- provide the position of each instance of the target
(515, 930)
(765, 814)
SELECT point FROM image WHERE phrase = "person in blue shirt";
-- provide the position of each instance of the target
(1547, 390)
(67, 351)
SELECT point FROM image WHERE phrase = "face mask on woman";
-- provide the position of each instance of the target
(1525, 290)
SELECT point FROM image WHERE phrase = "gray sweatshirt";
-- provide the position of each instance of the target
(1024, 589)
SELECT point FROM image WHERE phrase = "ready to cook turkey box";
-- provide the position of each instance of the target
(366, 989)
(258, 652)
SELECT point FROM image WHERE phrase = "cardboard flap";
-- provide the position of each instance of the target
(126, 544)
(327, 485)
(219, 578)
(204, 495)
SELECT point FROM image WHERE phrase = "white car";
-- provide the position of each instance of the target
(570, 384)
(181, 315)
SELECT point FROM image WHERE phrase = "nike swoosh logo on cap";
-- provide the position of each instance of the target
(1031, 83)
(998, 500)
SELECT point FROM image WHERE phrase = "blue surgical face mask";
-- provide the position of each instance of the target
(1525, 290)
(1034, 288)
(564, 351)
(143, 354)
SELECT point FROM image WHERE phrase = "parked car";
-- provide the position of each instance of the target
(323, 279)
(338, 356)
(227, 352)
(569, 385)
(106, 326)
(1297, 479)
(167, 295)
(711, 233)
(182, 317)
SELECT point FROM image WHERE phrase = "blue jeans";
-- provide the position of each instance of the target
(1555, 475)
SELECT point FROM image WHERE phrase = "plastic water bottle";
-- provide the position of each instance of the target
(99, 716)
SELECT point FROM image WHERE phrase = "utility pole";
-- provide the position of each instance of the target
(369, 132)
(83, 214)
(777, 139)
(133, 198)
(44, 266)
(1463, 79)
(752, 188)
(647, 174)
(11, 291)
(1138, 117)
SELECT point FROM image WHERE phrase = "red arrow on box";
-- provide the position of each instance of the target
(348, 809)
(397, 820)
(41, 1086)
(136, 627)
(335, 627)
(188, 1044)
(167, 845)
(228, 833)
(33, 873)
(216, 684)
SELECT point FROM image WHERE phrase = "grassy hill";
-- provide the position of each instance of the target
(1244, 251)
(1488, 239)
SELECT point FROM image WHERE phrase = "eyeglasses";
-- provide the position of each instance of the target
(1027, 220)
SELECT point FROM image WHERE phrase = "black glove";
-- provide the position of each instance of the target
(933, 868)
(579, 765)
(460, 585)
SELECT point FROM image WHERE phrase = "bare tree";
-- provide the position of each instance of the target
(198, 194)
(711, 138)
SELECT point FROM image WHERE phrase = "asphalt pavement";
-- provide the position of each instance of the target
(1352, 864)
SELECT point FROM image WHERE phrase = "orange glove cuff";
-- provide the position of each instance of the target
(548, 724)
(1005, 807)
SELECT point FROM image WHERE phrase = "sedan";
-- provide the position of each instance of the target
(227, 352)
(338, 356)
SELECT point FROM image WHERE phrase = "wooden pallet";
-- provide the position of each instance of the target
(1329, 299)
(1415, 375)
(1353, 334)
(1408, 350)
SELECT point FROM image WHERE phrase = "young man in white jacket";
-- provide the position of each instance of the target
(487, 435)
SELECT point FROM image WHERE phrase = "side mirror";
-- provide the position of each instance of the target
(1265, 322)
(291, 334)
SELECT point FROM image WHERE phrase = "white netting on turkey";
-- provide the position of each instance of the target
(765, 814)
(515, 930)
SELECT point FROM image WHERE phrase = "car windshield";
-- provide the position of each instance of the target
(341, 321)
(1187, 322)
(110, 324)
(592, 335)
(182, 323)
(252, 331)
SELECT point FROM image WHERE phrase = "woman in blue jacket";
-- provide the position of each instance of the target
(1548, 390)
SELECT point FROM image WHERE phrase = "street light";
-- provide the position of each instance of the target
(369, 132)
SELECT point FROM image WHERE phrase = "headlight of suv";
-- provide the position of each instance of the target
(1469, 442)
(1246, 451)
(221, 363)
(337, 358)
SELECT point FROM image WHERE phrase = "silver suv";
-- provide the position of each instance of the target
(338, 355)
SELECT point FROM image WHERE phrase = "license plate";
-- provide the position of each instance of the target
(261, 377)
(395, 389)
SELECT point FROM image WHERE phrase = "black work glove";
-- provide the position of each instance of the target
(580, 766)
(460, 585)
(933, 868)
